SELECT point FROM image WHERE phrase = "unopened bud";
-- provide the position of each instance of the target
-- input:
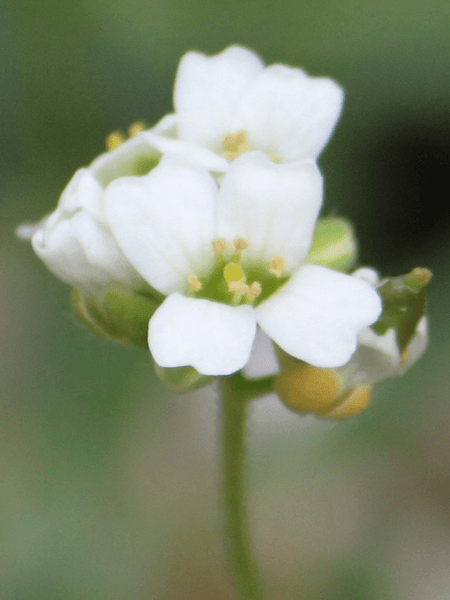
(334, 244)
(116, 314)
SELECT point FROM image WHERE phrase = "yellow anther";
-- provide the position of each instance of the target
(195, 283)
(274, 158)
(240, 244)
(114, 140)
(235, 144)
(238, 288)
(136, 128)
(233, 272)
(254, 290)
(421, 276)
(276, 266)
(220, 245)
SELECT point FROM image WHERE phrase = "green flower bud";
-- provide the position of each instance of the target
(404, 301)
(334, 244)
(116, 314)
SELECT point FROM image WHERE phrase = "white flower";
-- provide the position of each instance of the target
(232, 257)
(75, 241)
(230, 103)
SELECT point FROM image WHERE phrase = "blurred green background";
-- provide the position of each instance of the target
(109, 484)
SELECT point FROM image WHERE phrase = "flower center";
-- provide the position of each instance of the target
(236, 144)
(232, 282)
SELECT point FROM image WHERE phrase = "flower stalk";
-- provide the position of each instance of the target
(235, 401)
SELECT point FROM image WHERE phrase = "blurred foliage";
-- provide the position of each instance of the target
(109, 486)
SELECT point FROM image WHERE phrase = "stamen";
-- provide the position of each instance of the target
(238, 288)
(235, 145)
(220, 245)
(195, 283)
(276, 267)
(253, 290)
(240, 244)
(114, 140)
(136, 128)
(233, 272)
(274, 158)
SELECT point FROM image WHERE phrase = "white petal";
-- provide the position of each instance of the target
(187, 152)
(207, 91)
(317, 314)
(83, 192)
(27, 230)
(288, 113)
(418, 344)
(377, 358)
(126, 160)
(214, 338)
(263, 359)
(65, 254)
(102, 251)
(164, 223)
(367, 274)
(274, 207)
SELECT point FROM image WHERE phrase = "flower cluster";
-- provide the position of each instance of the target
(190, 235)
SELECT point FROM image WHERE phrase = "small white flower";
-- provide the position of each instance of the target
(230, 103)
(75, 241)
(232, 257)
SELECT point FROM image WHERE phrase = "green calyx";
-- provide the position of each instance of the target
(182, 379)
(334, 245)
(116, 314)
(404, 299)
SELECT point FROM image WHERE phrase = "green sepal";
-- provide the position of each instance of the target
(334, 244)
(182, 379)
(116, 314)
(404, 300)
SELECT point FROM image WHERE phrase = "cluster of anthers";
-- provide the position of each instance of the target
(231, 282)
(117, 138)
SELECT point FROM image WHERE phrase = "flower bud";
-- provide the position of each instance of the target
(116, 314)
(334, 244)
(75, 240)
(386, 349)
(306, 389)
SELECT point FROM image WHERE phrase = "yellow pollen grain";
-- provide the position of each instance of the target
(274, 158)
(219, 246)
(253, 290)
(276, 266)
(136, 128)
(195, 283)
(238, 288)
(240, 244)
(114, 140)
(233, 272)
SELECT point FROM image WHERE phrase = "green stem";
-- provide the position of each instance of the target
(235, 399)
